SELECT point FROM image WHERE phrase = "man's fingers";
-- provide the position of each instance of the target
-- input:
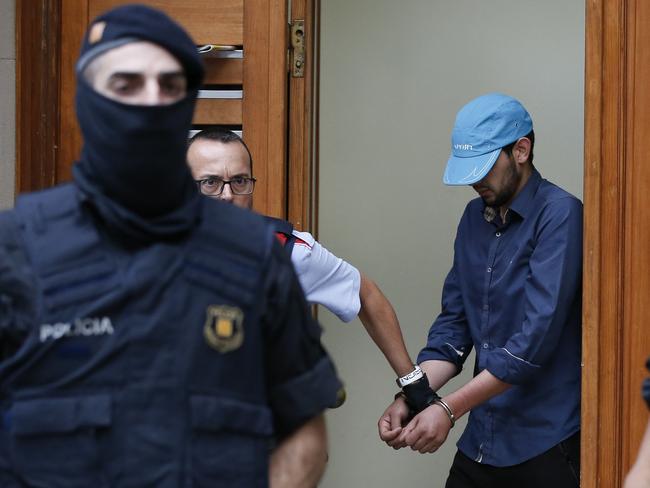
(383, 425)
(395, 420)
(411, 434)
(389, 435)
(417, 440)
(425, 444)
(430, 448)
(406, 431)
(397, 445)
(386, 432)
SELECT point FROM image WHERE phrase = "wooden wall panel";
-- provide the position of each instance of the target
(199, 17)
(223, 71)
(37, 92)
(221, 111)
(636, 267)
(74, 20)
(617, 267)
(603, 230)
(301, 129)
(265, 100)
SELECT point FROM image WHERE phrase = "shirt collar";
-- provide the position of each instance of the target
(522, 203)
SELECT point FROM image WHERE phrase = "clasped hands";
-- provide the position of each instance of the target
(425, 432)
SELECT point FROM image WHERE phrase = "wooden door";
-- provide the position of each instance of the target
(252, 90)
(616, 304)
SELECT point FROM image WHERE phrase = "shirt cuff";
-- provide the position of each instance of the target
(303, 397)
(508, 367)
(446, 352)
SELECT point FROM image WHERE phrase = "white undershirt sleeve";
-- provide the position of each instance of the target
(325, 278)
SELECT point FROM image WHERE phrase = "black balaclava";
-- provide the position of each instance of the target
(133, 169)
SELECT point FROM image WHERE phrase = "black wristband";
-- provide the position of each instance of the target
(402, 395)
(419, 394)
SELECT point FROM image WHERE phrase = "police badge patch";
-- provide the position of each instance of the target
(224, 327)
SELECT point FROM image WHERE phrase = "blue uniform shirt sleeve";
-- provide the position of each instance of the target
(550, 293)
(301, 376)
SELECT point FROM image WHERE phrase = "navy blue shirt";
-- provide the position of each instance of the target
(514, 293)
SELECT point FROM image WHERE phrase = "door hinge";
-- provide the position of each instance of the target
(297, 50)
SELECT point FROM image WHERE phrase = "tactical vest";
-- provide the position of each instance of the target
(145, 367)
(283, 232)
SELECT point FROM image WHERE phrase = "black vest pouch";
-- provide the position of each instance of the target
(229, 440)
(60, 442)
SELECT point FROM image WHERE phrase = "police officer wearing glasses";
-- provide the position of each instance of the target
(150, 336)
(222, 166)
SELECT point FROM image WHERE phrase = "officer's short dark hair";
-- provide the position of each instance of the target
(220, 134)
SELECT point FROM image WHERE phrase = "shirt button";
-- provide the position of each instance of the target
(498, 234)
(485, 345)
(489, 270)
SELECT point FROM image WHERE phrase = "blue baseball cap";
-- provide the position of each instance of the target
(482, 128)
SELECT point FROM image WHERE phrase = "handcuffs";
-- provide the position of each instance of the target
(418, 394)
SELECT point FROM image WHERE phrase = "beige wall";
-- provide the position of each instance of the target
(7, 103)
(393, 75)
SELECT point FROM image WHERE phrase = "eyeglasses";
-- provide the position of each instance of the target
(213, 186)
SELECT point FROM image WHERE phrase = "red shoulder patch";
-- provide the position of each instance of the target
(282, 237)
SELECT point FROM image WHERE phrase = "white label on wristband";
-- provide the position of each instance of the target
(412, 377)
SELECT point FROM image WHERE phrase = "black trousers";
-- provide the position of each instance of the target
(559, 467)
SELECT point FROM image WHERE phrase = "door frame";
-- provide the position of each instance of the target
(616, 232)
(37, 93)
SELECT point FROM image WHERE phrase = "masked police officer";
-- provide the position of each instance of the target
(151, 336)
